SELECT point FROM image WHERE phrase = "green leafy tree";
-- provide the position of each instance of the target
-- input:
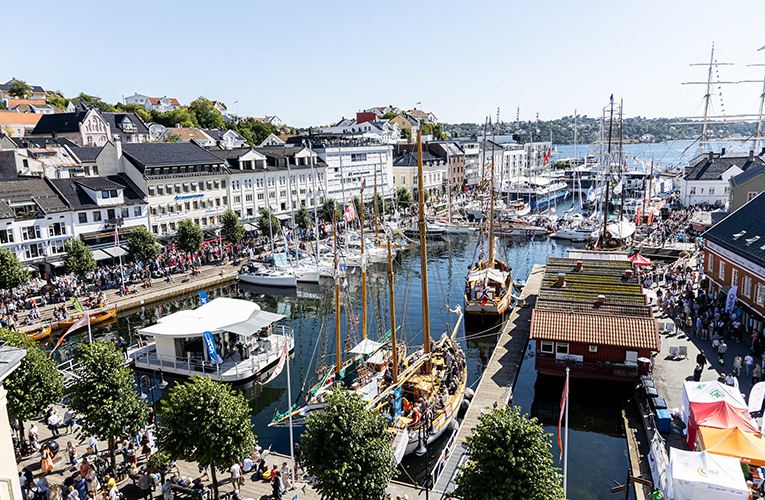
(267, 216)
(329, 210)
(406, 134)
(255, 131)
(3, 107)
(56, 98)
(189, 236)
(20, 89)
(206, 422)
(170, 137)
(388, 116)
(357, 206)
(403, 197)
(104, 396)
(134, 108)
(416, 195)
(141, 244)
(180, 116)
(97, 103)
(303, 218)
(438, 133)
(79, 258)
(34, 385)
(382, 207)
(12, 273)
(509, 459)
(231, 227)
(348, 449)
(206, 114)
(426, 128)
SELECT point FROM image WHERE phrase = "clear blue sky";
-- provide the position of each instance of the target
(313, 62)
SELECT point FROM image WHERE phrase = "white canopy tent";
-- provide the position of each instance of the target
(212, 317)
(705, 476)
(366, 346)
(492, 274)
(709, 392)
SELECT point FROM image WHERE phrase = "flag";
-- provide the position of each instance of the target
(280, 365)
(212, 353)
(639, 210)
(345, 284)
(350, 212)
(761, 48)
(116, 236)
(363, 184)
(484, 295)
(547, 155)
(82, 322)
(76, 303)
(591, 194)
(303, 489)
(563, 403)
(612, 98)
(203, 298)
(618, 188)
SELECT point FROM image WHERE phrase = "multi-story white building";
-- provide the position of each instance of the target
(707, 177)
(181, 180)
(151, 103)
(350, 162)
(535, 155)
(381, 131)
(472, 150)
(434, 170)
(509, 157)
(283, 175)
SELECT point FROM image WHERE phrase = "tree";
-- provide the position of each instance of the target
(97, 103)
(12, 273)
(403, 197)
(134, 108)
(348, 449)
(329, 210)
(388, 116)
(206, 422)
(206, 114)
(426, 128)
(79, 258)
(189, 236)
(438, 133)
(357, 206)
(303, 218)
(416, 195)
(180, 116)
(141, 245)
(56, 98)
(509, 459)
(255, 131)
(20, 89)
(267, 215)
(382, 207)
(34, 385)
(104, 396)
(406, 134)
(231, 227)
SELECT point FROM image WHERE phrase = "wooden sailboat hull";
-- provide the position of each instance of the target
(490, 308)
(40, 335)
(494, 304)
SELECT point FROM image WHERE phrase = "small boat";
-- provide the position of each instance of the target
(40, 334)
(96, 318)
(576, 233)
(255, 274)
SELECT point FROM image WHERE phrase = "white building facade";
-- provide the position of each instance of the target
(349, 163)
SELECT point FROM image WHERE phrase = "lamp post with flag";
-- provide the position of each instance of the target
(564, 453)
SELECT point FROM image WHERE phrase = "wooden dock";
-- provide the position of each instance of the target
(496, 386)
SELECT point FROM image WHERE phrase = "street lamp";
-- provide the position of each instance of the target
(422, 449)
(144, 380)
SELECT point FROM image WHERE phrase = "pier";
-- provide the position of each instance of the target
(495, 388)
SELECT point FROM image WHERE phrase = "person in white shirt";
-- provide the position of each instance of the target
(93, 443)
(246, 465)
(236, 473)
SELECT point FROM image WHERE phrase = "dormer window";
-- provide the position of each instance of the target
(752, 240)
(739, 235)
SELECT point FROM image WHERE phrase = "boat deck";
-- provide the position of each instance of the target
(145, 357)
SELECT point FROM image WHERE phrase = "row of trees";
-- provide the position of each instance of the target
(345, 446)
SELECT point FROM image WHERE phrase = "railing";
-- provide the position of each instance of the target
(605, 369)
(190, 366)
(438, 468)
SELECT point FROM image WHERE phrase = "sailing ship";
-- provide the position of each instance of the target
(488, 287)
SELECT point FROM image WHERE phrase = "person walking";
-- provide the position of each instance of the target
(721, 350)
(144, 483)
(701, 359)
(748, 362)
(276, 485)
(737, 361)
(697, 373)
(71, 451)
(167, 490)
(46, 461)
(756, 374)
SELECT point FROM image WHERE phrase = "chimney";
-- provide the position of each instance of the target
(722, 153)
(762, 153)
(177, 125)
(628, 273)
(118, 146)
(711, 156)
(601, 299)
(561, 280)
(579, 265)
(751, 154)
(54, 134)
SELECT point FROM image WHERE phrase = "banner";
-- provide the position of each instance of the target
(350, 212)
(397, 402)
(657, 460)
(203, 298)
(280, 365)
(563, 403)
(731, 300)
(756, 396)
(76, 303)
(211, 352)
(80, 323)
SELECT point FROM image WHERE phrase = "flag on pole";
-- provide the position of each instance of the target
(761, 48)
(563, 403)
(116, 236)
(80, 323)
(547, 155)
(203, 298)
(280, 365)
(350, 212)
(363, 184)
(76, 303)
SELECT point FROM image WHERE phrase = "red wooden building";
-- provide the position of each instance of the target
(591, 316)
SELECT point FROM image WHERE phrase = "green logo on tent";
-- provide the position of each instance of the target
(699, 387)
(717, 394)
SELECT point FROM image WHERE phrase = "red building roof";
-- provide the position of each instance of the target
(597, 329)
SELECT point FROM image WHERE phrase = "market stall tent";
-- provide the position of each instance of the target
(745, 446)
(639, 260)
(719, 415)
(705, 476)
(709, 392)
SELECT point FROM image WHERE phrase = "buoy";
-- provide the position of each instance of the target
(452, 425)
(469, 393)
(465, 404)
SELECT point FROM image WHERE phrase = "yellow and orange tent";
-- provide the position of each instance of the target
(746, 446)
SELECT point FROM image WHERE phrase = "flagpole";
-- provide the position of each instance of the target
(289, 409)
(87, 319)
(565, 450)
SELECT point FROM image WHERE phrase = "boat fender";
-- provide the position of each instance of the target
(469, 393)
(452, 426)
(465, 405)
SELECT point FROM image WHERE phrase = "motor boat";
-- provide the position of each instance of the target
(256, 274)
(574, 233)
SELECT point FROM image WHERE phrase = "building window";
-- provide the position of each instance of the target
(56, 247)
(734, 277)
(561, 348)
(201, 185)
(57, 229)
(711, 263)
(110, 215)
(30, 233)
(136, 211)
(712, 190)
(154, 229)
(747, 288)
(104, 194)
(546, 347)
(721, 274)
(160, 191)
(751, 195)
(82, 217)
(359, 157)
(403, 180)
(593, 348)
(151, 190)
(760, 294)
(693, 190)
(34, 250)
(169, 189)
(6, 236)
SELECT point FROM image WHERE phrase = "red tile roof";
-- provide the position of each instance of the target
(155, 100)
(12, 103)
(596, 329)
(11, 118)
(418, 113)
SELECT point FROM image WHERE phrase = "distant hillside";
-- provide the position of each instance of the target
(635, 129)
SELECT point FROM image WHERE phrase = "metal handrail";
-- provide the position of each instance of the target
(445, 454)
